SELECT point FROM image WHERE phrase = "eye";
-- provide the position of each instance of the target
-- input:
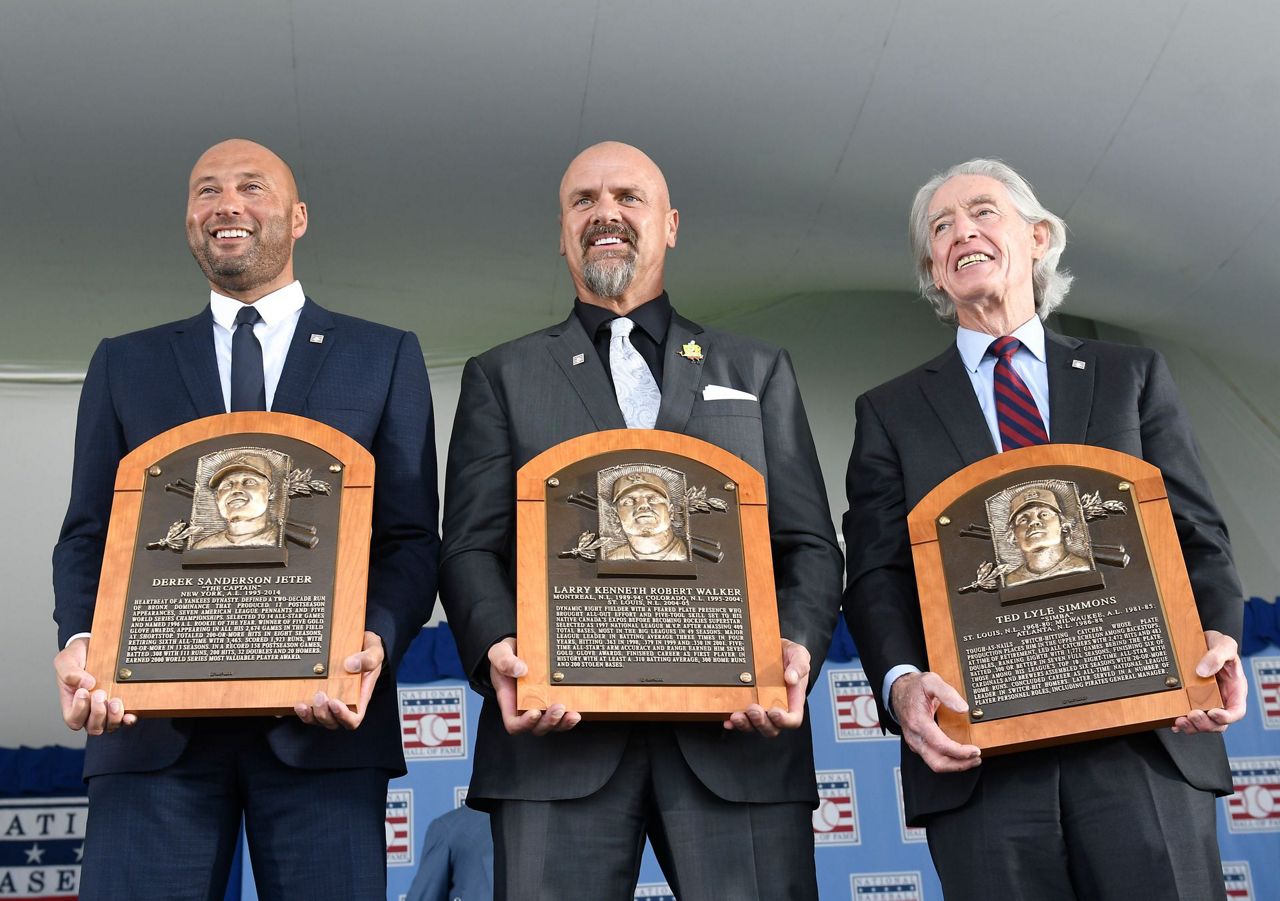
(985, 211)
(582, 202)
(940, 227)
(205, 189)
(630, 198)
(254, 186)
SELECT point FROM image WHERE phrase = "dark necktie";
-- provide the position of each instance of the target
(248, 388)
(1016, 411)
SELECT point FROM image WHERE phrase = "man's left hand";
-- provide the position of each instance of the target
(332, 713)
(1223, 662)
(795, 672)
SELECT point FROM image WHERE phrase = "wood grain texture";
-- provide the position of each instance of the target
(242, 696)
(535, 690)
(1104, 718)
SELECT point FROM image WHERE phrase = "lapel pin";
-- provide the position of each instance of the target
(1077, 364)
(579, 359)
(691, 352)
(317, 339)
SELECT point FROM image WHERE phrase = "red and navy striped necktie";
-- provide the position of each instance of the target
(1016, 411)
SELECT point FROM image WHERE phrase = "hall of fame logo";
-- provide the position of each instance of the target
(853, 706)
(399, 825)
(1266, 676)
(835, 822)
(433, 722)
(654, 891)
(911, 835)
(459, 796)
(1255, 806)
(886, 886)
(41, 846)
(1238, 880)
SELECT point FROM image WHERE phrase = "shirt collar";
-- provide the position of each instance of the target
(973, 345)
(653, 317)
(273, 307)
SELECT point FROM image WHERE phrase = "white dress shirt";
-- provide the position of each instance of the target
(279, 311)
(1030, 364)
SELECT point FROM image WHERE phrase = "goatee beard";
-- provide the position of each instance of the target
(609, 277)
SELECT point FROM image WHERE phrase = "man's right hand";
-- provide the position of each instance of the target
(82, 707)
(915, 698)
(504, 668)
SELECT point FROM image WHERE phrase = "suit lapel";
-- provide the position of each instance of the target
(680, 376)
(950, 392)
(569, 341)
(1070, 387)
(304, 358)
(192, 343)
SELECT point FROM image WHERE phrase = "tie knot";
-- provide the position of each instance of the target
(621, 327)
(1005, 347)
(248, 316)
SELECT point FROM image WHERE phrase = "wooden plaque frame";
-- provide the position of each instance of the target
(275, 696)
(536, 690)
(1093, 720)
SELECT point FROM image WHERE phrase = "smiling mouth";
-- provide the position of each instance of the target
(971, 259)
(231, 233)
(608, 236)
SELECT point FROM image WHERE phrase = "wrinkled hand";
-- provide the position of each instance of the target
(331, 712)
(82, 707)
(915, 698)
(769, 723)
(504, 668)
(1222, 661)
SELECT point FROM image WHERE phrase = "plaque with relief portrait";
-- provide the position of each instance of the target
(645, 580)
(234, 575)
(1054, 597)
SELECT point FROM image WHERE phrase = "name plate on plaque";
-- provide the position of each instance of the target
(235, 569)
(1054, 597)
(645, 586)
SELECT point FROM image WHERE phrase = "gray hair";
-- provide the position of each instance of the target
(1050, 284)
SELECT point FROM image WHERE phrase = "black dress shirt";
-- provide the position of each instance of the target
(649, 337)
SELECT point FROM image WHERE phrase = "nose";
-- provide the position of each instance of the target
(229, 204)
(606, 209)
(963, 228)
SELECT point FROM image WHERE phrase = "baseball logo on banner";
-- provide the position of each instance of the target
(1238, 880)
(835, 821)
(910, 834)
(41, 846)
(886, 886)
(1255, 806)
(853, 706)
(1266, 676)
(459, 796)
(654, 891)
(399, 826)
(433, 722)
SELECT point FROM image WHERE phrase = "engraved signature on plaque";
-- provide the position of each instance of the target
(1039, 533)
(240, 502)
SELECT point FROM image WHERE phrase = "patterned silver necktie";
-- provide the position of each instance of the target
(638, 394)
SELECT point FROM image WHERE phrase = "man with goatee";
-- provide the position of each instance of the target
(725, 805)
(168, 795)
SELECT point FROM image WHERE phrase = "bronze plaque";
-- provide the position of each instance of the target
(236, 566)
(1054, 597)
(1052, 594)
(234, 563)
(646, 582)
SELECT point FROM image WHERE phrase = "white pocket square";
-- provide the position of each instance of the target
(720, 392)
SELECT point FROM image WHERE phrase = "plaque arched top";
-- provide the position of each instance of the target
(1145, 479)
(532, 477)
(357, 462)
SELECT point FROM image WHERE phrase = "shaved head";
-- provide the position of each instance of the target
(616, 226)
(243, 217)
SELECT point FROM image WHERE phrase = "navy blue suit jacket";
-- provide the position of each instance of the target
(366, 380)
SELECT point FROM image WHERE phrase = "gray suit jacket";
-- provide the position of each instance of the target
(917, 430)
(523, 397)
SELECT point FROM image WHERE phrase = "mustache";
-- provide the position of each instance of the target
(619, 229)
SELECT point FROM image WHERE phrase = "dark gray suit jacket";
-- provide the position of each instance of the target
(523, 397)
(917, 430)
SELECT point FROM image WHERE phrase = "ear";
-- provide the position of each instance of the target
(299, 220)
(1039, 240)
(560, 219)
(673, 225)
(936, 271)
